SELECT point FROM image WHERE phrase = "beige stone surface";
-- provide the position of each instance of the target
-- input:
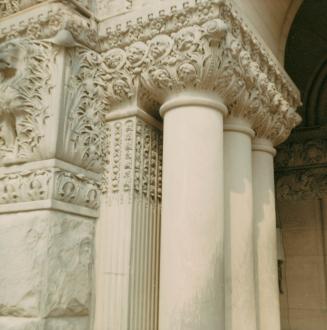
(48, 257)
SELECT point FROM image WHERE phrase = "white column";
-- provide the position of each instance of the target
(191, 267)
(265, 236)
(239, 260)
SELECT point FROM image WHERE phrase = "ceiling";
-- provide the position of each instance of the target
(306, 60)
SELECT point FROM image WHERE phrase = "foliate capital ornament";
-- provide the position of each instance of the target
(216, 53)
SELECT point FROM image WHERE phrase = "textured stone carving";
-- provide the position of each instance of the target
(45, 22)
(8, 7)
(135, 150)
(84, 133)
(295, 154)
(25, 89)
(49, 183)
(203, 58)
(114, 34)
(48, 247)
(302, 184)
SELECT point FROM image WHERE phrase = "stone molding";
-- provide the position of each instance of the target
(50, 184)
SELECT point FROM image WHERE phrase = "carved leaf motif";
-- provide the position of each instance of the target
(24, 87)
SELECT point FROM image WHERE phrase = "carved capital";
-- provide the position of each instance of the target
(217, 54)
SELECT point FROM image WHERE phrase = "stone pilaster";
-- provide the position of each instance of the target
(129, 225)
(51, 154)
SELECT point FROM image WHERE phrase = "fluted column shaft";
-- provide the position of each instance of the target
(191, 268)
(239, 263)
(265, 236)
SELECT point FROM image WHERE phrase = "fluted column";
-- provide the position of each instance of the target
(239, 264)
(265, 235)
(191, 267)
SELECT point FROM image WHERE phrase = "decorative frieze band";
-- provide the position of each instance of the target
(49, 181)
(302, 184)
(299, 154)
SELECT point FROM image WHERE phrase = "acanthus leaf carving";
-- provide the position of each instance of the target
(25, 87)
(84, 133)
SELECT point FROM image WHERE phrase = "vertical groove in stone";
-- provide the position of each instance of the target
(133, 220)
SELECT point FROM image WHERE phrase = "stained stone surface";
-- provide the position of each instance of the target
(48, 268)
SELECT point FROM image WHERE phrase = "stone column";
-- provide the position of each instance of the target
(265, 235)
(191, 264)
(239, 262)
(128, 231)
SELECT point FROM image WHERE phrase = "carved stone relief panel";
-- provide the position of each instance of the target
(82, 137)
(49, 257)
(25, 88)
(301, 171)
(297, 154)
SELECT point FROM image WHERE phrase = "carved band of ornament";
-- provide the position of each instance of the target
(44, 22)
(134, 161)
(295, 154)
(196, 13)
(206, 58)
(302, 184)
(49, 183)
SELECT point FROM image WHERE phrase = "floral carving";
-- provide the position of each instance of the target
(25, 88)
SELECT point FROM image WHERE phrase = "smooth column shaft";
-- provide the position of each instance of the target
(265, 236)
(191, 273)
(239, 259)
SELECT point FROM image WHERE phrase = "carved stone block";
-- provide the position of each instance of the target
(49, 260)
